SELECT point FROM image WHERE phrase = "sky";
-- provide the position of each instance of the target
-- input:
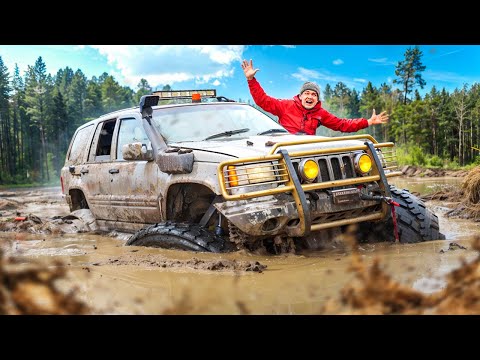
(283, 68)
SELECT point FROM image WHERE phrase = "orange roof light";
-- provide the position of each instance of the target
(196, 97)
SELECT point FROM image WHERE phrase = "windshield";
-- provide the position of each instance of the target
(198, 122)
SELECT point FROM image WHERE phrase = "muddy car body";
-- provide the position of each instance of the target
(220, 176)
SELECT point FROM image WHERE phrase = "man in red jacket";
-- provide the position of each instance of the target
(304, 113)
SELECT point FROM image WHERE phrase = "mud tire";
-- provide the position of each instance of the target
(415, 222)
(180, 236)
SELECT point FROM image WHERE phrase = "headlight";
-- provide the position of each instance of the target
(308, 169)
(250, 174)
(363, 163)
(260, 174)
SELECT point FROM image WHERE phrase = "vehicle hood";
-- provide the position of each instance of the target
(258, 145)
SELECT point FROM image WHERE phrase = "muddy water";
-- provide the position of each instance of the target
(291, 284)
(425, 186)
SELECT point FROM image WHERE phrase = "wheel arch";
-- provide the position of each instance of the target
(77, 199)
(187, 201)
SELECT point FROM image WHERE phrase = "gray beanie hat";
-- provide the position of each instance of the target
(310, 86)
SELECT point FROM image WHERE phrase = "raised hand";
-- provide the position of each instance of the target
(248, 69)
(381, 118)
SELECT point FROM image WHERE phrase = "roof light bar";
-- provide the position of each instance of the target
(185, 94)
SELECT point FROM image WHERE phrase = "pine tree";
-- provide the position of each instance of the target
(409, 71)
(6, 165)
(37, 100)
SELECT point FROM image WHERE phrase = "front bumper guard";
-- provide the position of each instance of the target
(293, 185)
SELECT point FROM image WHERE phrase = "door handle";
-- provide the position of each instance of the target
(113, 171)
(84, 171)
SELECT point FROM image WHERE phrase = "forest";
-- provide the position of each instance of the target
(39, 114)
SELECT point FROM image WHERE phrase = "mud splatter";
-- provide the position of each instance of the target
(30, 289)
(373, 291)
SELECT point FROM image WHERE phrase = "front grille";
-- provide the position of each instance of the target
(336, 169)
(333, 167)
(324, 173)
(348, 166)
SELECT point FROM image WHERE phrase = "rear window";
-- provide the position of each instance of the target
(79, 144)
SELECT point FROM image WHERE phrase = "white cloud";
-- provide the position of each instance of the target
(382, 61)
(285, 46)
(338, 62)
(172, 64)
(450, 53)
(379, 60)
(446, 76)
(216, 83)
(306, 74)
(324, 77)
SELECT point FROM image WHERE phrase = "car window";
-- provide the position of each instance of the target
(131, 131)
(195, 123)
(79, 144)
(105, 140)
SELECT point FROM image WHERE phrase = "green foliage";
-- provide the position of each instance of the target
(435, 161)
(39, 114)
(411, 155)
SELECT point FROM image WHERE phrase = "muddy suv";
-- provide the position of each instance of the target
(217, 175)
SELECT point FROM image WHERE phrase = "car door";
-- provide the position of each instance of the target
(133, 184)
(95, 176)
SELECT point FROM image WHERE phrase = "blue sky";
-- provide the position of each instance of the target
(283, 69)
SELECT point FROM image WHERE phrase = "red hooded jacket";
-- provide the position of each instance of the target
(295, 118)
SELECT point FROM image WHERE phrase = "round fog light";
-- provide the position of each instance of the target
(308, 169)
(363, 163)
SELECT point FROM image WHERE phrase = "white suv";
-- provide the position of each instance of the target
(220, 175)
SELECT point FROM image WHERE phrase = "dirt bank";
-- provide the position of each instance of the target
(417, 171)
(465, 200)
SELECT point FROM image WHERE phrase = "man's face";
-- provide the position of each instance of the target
(309, 99)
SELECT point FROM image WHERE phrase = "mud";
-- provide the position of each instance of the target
(18, 211)
(102, 276)
(150, 260)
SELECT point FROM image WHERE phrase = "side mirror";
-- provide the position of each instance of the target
(137, 151)
(175, 161)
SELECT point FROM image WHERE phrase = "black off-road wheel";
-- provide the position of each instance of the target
(180, 236)
(415, 222)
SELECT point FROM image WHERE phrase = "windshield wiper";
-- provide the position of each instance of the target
(227, 133)
(271, 131)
